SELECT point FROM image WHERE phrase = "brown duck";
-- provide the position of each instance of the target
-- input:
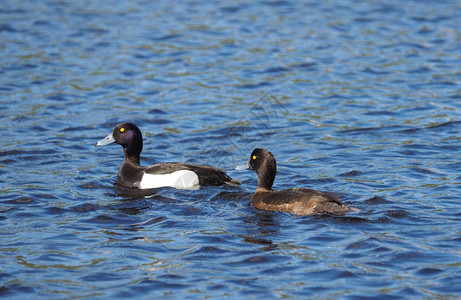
(299, 201)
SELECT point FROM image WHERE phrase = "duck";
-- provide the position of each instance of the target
(298, 201)
(169, 174)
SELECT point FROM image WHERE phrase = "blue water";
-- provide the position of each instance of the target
(358, 98)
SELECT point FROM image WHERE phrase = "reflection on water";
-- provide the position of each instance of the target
(360, 99)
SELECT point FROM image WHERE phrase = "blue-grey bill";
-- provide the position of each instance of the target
(242, 167)
(106, 141)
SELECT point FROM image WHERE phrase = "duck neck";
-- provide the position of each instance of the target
(266, 179)
(132, 159)
(132, 156)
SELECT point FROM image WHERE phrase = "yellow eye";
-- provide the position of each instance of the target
(254, 157)
(122, 129)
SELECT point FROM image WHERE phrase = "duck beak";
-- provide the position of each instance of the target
(245, 166)
(106, 141)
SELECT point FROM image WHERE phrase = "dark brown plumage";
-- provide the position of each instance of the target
(300, 201)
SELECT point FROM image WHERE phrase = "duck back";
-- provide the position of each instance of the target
(300, 201)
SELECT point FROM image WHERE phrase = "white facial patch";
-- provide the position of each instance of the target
(183, 179)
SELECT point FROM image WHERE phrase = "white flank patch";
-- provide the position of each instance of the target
(183, 179)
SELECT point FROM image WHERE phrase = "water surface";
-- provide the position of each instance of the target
(359, 98)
